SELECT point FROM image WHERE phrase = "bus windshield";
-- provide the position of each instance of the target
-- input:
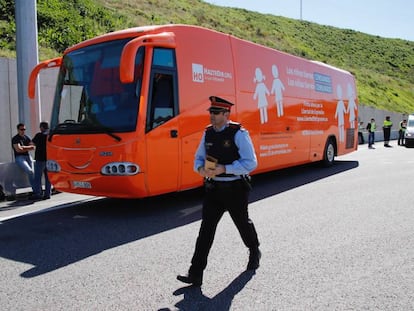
(90, 97)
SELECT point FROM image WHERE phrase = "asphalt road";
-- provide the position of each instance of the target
(332, 239)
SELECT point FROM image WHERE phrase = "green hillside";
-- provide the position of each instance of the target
(384, 68)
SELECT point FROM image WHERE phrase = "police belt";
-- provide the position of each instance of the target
(214, 183)
(226, 177)
(225, 182)
(219, 184)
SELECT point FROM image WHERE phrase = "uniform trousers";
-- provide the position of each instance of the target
(387, 135)
(219, 198)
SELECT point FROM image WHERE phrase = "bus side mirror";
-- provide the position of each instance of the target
(50, 63)
(127, 65)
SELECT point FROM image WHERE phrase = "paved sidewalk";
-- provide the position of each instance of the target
(22, 205)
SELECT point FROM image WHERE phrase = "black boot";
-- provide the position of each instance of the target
(190, 278)
(254, 259)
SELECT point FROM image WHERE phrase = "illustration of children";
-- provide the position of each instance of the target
(277, 89)
(352, 106)
(260, 94)
(339, 113)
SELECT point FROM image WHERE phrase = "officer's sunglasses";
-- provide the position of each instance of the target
(215, 112)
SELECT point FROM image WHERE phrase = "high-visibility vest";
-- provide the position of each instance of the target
(387, 124)
(402, 126)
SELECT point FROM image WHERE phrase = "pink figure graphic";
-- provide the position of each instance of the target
(277, 89)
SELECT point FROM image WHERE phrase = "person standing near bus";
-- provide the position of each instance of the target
(224, 159)
(40, 164)
(361, 139)
(371, 128)
(22, 144)
(387, 131)
(401, 132)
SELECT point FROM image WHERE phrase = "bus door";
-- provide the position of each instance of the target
(162, 135)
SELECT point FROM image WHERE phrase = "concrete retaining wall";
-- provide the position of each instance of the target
(365, 114)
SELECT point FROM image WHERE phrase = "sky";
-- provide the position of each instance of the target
(385, 18)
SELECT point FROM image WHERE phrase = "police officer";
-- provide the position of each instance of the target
(387, 131)
(224, 158)
(371, 128)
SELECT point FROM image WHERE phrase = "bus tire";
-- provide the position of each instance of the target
(329, 153)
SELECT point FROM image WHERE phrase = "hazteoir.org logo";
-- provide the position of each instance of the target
(198, 75)
(201, 74)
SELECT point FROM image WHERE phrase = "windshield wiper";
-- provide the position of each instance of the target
(66, 124)
(105, 129)
(94, 125)
(108, 132)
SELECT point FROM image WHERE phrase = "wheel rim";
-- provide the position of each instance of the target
(330, 153)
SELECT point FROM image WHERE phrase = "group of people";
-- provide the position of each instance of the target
(386, 128)
(22, 145)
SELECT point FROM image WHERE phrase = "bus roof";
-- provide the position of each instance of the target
(137, 31)
(129, 33)
(330, 66)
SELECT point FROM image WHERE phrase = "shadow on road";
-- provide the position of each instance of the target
(60, 237)
(272, 183)
(195, 300)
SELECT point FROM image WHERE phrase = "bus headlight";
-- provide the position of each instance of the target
(120, 169)
(53, 166)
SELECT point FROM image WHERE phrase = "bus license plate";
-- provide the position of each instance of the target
(82, 184)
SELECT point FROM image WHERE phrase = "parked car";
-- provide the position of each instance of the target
(409, 132)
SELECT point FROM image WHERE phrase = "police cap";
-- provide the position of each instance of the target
(219, 104)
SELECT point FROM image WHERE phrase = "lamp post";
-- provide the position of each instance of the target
(27, 58)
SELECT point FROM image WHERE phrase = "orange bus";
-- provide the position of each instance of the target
(130, 108)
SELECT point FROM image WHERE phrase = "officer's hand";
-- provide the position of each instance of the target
(210, 172)
(206, 172)
(220, 169)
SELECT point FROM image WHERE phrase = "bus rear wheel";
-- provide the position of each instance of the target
(329, 153)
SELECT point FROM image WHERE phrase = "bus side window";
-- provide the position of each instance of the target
(162, 101)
